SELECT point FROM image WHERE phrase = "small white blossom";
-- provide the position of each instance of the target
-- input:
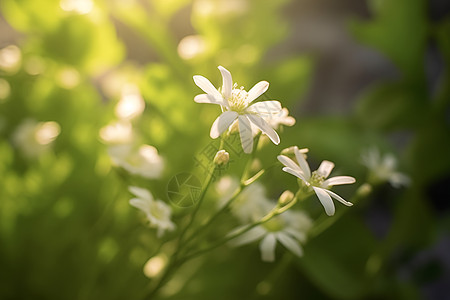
(144, 161)
(33, 138)
(117, 132)
(384, 168)
(131, 103)
(251, 204)
(317, 180)
(157, 212)
(237, 105)
(289, 228)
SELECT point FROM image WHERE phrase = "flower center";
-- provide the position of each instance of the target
(274, 225)
(238, 100)
(316, 179)
(157, 212)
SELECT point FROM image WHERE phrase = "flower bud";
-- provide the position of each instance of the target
(290, 151)
(286, 198)
(222, 157)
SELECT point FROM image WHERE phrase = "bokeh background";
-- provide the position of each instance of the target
(355, 74)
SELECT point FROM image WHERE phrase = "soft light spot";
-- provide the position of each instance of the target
(131, 104)
(47, 132)
(34, 65)
(77, 6)
(5, 89)
(263, 288)
(204, 7)
(119, 132)
(191, 46)
(10, 58)
(63, 207)
(108, 249)
(155, 265)
(68, 78)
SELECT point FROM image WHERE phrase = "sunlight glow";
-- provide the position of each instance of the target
(10, 58)
(191, 46)
(81, 7)
(131, 104)
(154, 266)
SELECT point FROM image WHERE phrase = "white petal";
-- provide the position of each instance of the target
(256, 91)
(296, 174)
(338, 198)
(205, 98)
(288, 162)
(206, 86)
(325, 168)
(141, 193)
(140, 204)
(245, 131)
(222, 123)
(300, 236)
(338, 180)
(267, 248)
(325, 199)
(289, 243)
(265, 128)
(248, 237)
(227, 82)
(398, 179)
(266, 108)
(302, 163)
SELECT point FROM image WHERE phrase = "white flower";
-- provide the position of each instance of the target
(143, 161)
(281, 119)
(317, 180)
(251, 204)
(289, 229)
(236, 105)
(33, 138)
(157, 212)
(117, 132)
(131, 103)
(384, 168)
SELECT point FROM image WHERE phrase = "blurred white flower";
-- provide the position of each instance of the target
(33, 138)
(290, 229)
(157, 212)
(251, 204)
(131, 103)
(191, 46)
(144, 161)
(317, 180)
(384, 168)
(236, 105)
(117, 132)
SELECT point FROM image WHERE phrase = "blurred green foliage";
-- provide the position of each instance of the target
(66, 228)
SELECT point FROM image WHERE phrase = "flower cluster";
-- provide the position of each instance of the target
(237, 106)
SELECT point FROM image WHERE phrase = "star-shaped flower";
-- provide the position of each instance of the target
(157, 212)
(384, 168)
(237, 105)
(289, 228)
(317, 180)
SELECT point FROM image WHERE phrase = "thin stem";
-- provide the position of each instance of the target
(274, 212)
